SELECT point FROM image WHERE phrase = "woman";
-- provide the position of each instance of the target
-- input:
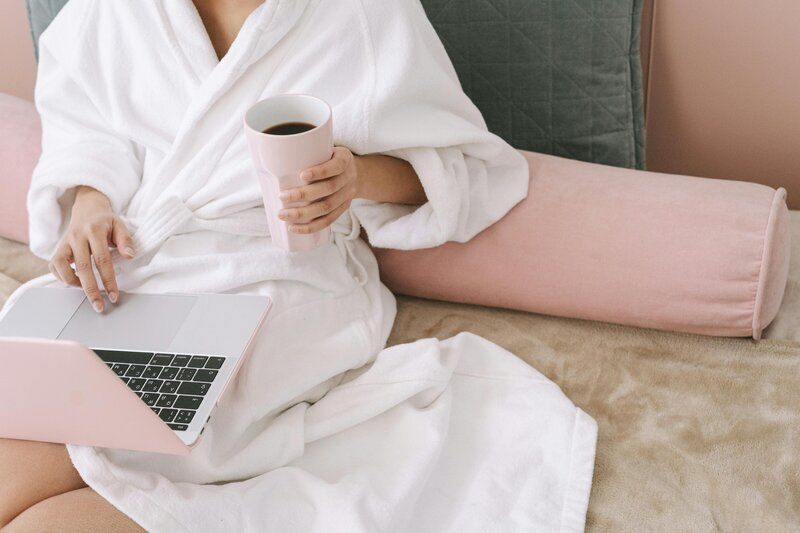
(145, 174)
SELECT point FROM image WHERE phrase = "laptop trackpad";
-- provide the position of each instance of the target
(135, 322)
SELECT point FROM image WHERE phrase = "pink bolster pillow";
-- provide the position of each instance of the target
(595, 242)
(20, 145)
(602, 243)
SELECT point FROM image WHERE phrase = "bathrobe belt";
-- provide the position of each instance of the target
(173, 217)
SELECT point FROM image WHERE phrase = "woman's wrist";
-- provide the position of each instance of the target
(358, 165)
(85, 196)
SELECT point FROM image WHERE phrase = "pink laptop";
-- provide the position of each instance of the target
(144, 375)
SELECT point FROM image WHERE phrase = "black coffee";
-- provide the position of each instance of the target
(289, 128)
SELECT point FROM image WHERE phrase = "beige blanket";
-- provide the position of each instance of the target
(696, 433)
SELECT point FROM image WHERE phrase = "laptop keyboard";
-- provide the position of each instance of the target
(173, 385)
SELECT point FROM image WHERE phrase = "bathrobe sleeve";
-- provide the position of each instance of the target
(418, 112)
(79, 147)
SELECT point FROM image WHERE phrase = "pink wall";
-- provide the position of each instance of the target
(723, 98)
(17, 65)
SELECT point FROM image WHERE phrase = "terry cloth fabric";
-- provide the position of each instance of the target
(323, 429)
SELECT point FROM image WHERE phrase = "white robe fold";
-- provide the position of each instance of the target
(323, 429)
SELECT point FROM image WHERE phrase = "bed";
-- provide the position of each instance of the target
(695, 433)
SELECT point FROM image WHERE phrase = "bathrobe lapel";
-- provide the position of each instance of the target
(224, 89)
(188, 39)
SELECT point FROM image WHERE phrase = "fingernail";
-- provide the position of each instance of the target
(129, 251)
(113, 297)
(283, 196)
(97, 306)
(283, 215)
(305, 175)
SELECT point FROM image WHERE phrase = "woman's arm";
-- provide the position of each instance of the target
(335, 183)
(383, 178)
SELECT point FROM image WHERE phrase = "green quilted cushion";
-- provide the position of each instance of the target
(560, 77)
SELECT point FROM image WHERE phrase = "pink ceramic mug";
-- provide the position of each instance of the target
(279, 159)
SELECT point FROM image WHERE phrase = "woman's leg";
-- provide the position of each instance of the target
(72, 512)
(31, 472)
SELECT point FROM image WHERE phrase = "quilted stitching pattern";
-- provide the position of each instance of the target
(555, 76)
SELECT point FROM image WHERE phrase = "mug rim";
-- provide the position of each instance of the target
(328, 111)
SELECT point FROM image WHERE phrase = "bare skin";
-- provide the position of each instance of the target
(77, 511)
(40, 490)
(32, 472)
(223, 19)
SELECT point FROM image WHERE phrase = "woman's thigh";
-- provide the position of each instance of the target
(76, 511)
(31, 472)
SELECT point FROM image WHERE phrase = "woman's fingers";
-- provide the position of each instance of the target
(312, 211)
(314, 191)
(60, 266)
(83, 269)
(121, 238)
(331, 188)
(98, 242)
(320, 223)
(342, 157)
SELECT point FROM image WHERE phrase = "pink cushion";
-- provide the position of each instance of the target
(602, 243)
(20, 145)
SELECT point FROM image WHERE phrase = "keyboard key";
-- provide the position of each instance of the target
(169, 387)
(184, 417)
(137, 383)
(110, 365)
(198, 361)
(205, 375)
(215, 362)
(139, 394)
(169, 372)
(178, 427)
(119, 369)
(181, 360)
(135, 371)
(186, 374)
(150, 398)
(161, 359)
(168, 415)
(194, 387)
(126, 380)
(114, 356)
(152, 385)
(151, 372)
(189, 402)
(166, 400)
(156, 410)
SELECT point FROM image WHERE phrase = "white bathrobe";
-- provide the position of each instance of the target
(323, 430)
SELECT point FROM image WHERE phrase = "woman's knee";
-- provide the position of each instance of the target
(77, 510)
(31, 472)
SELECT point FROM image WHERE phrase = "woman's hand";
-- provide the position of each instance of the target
(331, 186)
(92, 229)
